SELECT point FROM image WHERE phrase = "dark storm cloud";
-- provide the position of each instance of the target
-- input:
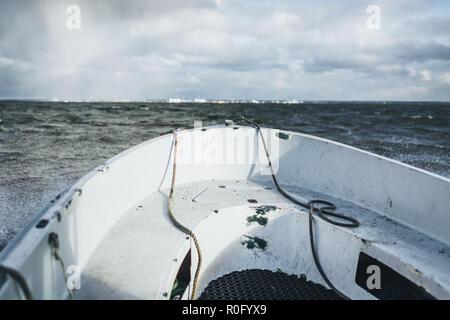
(422, 51)
(400, 53)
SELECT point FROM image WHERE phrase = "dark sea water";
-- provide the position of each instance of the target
(46, 146)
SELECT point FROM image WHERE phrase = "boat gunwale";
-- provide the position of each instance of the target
(63, 197)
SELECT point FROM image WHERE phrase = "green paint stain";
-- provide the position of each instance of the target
(264, 209)
(254, 243)
(258, 219)
(260, 212)
(282, 136)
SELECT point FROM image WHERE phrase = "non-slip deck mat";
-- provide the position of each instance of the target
(258, 284)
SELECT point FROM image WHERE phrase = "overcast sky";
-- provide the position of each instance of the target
(254, 49)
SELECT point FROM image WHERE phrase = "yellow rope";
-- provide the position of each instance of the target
(178, 224)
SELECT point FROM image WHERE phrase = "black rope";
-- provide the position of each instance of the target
(322, 211)
(18, 277)
(53, 241)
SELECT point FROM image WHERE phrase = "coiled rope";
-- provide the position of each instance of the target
(322, 212)
(175, 221)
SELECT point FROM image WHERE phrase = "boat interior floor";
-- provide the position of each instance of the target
(130, 260)
(255, 284)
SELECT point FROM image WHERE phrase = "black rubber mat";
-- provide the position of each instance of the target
(258, 284)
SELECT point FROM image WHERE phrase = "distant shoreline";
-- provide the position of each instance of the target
(225, 101)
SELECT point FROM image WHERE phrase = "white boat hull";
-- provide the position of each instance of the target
(113, 225)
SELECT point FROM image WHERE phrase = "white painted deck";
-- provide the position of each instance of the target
(132, 261)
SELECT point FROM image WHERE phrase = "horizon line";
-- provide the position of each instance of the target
(215, 100)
